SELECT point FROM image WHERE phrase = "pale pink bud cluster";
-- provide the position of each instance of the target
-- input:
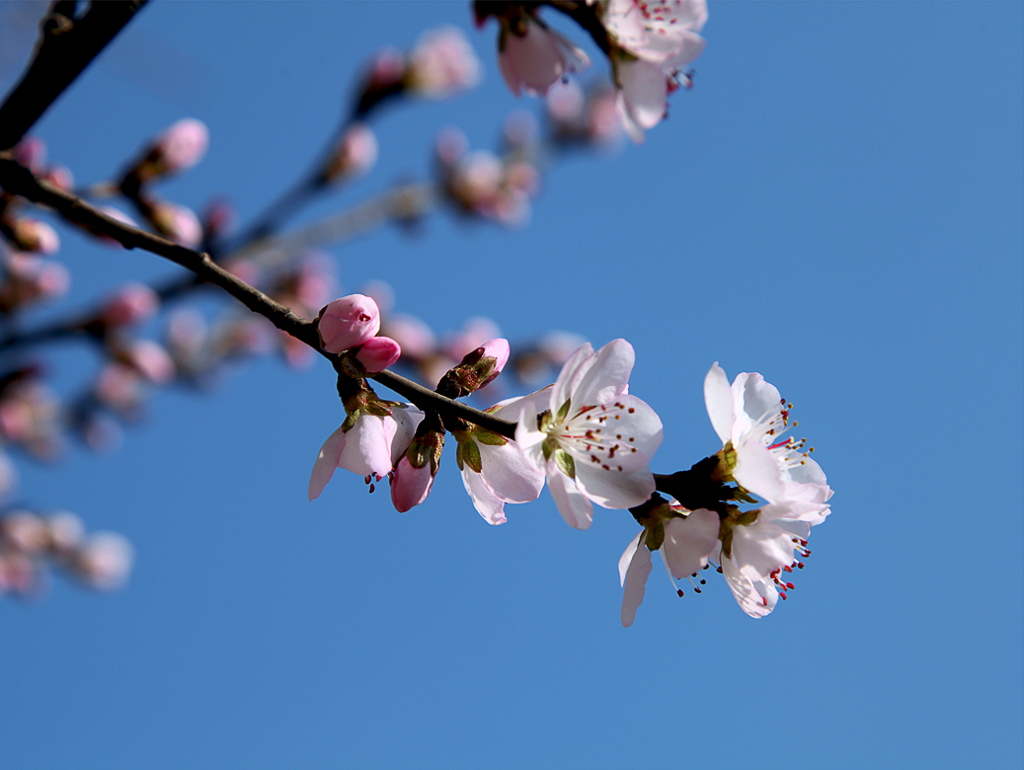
(30, 542)
(28, 280)
(32, 236)
(28, 418)
(178, 223)
(441, 63)
(589, 118)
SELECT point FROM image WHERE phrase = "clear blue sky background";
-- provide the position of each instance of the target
(836, 205)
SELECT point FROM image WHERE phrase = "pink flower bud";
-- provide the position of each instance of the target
(33, 236)
(25, 532)
(355, 154)
(151, 360)
(182, 145)
(416, 338)
(60, 177)
(348, 322)
(442, 63)
(30, 152)
(132, 303)
(177, 223)
(66, 531)
(499, 349)
(378, 353)
(409, 485)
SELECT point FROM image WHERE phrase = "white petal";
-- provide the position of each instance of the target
(760, 549)
(368, 446)
(758, 471)
(627, 557)
(758, 407)
(757, 600)
(408, 419)
(509, 473)
(644, 425)
(718, 400)
(326, 462)
(607, 376)
(631, 486)
(487, 504)
(572, 503)
(634, 584)
(644, 87)
(579, 364)
(689, 542)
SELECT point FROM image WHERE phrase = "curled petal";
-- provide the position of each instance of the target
(572, 503)
(326, 462)
(635, 581)
(689, 542)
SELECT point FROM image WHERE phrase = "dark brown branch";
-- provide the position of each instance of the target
(18, 180)
(66, 47)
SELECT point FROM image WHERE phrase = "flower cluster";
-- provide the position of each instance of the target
(648, 43)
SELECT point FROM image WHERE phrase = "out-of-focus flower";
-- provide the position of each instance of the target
(179, 147)
(596, 442)
(442, 63)
(31, 235)
(354, 155)
(130, 304)
(60, 177)
(148, 358)
(30, 152)
(28, 280)
(348, 322)
(104, 561)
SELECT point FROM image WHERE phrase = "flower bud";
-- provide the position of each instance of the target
(355, 154)
(378, 353)
(132, 303)
(415, 470)
(105, 560)
(178, 223)
(33, 236)
(181, 146)
(442, 63)
(348, 322)
(477, 368)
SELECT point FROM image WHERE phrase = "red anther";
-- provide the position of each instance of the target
(799, 565)
(696, 590)
(679, 591)
(790, 586)
(788, 568)
(783, 595)
(372, 487)
(764, 600)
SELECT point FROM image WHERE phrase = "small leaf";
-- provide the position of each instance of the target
(485, 436)
(471, 454)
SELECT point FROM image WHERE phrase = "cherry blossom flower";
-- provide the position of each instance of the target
(355, 154)
(750, 417)
(364, 445)
(687, 542)
(596, 441)
(130, 304)
(494, 470)
(442, 63)
(378, 353)
(415, 467)
(533, 57)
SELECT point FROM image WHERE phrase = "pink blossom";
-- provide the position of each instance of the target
(410, 485)
(132, 303)
(378, 353)
(105, 560)
(348, 322)
(533, 57)
(178, 223)
(150, 359)
(35, 237)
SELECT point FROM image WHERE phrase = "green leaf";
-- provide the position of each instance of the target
(485, 436)
(471, 455)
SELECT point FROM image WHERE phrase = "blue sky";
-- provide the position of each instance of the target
(837, 205)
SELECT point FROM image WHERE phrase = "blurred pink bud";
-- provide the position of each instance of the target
(132, 303)
(30, 280)
(25, 532)
(536, 59)
(441, 63)
(314, 281)
(521, 129)
(30, 152)
(151, 360)
(386, 69)
(118, 387)
(523, 177)
(177, 223)
(66, 531)
(33, 236)
(378, 353)
(413, 335)
(105, 561)
(60, 177)
(410, 485)
(355, 154)
(17, 573)
(182, 145)
(381, 293)
(218, 217)
(450, 146)
(348, 322)
(604, 126)
(565, 105)
(244, 270)
(8, 475)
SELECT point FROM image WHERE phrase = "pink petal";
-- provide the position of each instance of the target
(606, 377)
(487, 504)
(718, 400)
(690, 541)
(634, 584)
(326, 462)
(572, 503)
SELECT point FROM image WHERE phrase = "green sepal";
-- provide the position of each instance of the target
(565, 463)
(727, 543)
(748, 518)
(458, 455)
(655, 537)
(563, 411)
(350, 421)
(490, 438)
(471, 455)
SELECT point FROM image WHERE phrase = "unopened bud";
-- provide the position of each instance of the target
(348, 322)
(442, 63)
(33, 236)
(477, 369)
(105, 561)
(178, 223)
(355, 154)
(132, 303)
(181, 146)
(378, 353)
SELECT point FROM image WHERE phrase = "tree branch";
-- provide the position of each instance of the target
(66, 47)
(18, 180)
